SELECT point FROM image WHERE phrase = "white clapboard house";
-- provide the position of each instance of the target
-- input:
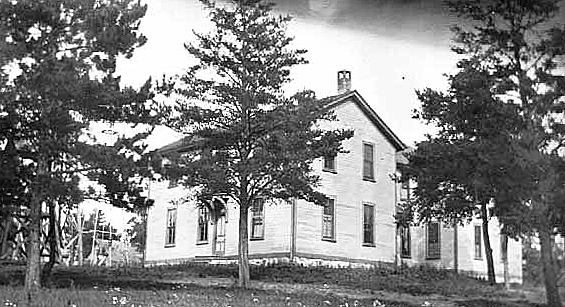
(356, 227)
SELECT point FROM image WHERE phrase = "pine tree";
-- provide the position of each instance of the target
(253, 141)
(520, 47)
(61, 58)
(463, 168)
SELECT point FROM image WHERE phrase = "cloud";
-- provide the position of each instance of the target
(424, 21)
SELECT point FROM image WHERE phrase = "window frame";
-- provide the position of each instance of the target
(333, 166)
(257, 217)
(405, 189)
(405, 230)
(430, 256)
(173, 183)
(477, 245)
(171, 227)
(333, 202)
(372, 175)
(206, 224)
(372, 225)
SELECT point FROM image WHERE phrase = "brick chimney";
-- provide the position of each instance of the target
(343, 81)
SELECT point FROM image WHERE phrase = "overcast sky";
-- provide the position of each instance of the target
(392, 47)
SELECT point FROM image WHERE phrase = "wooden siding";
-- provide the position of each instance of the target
(277, 228)
(466, 251)
(350, 191)
(186, 225)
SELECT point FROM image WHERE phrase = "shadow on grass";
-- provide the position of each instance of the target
(495, 303)
(83, 278)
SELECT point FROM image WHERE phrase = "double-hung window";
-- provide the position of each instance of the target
(433, 241)
(368, 162)
(405, 191)
(170, 231)
(329, 163)
(203, 221)
(368, 225)
(405, 242)
(258, 219)
(478, 245)
(328, 221)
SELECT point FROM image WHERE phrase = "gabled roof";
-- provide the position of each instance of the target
(336, 100)
(184, 144)
(331, 101)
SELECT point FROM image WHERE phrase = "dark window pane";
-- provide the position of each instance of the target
(368, 167)
(329, 163)
(171, 226)
(328, 220)
(405, 242)
(433, 241)
(368, 218)
(257, 219)
(478, 237)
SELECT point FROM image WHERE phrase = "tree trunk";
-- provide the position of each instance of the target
(6, 236)
(504, 256)
(549, 269)
(79, 238)
(243, 252)
(144, 254)
(455, 248)
(53, 240)
(33, 267)
(488, 249)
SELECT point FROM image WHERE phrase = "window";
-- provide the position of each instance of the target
(368, 222)
(433, 246)
(173, 182)
(258, 219)
(329, 163)
(368, 165)
(478, 237)
(328, 220)
(405, 190)
(405, 242)
(203, 220)
(171, 227)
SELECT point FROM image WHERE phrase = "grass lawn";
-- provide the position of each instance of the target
(172, 286)
(193, 296)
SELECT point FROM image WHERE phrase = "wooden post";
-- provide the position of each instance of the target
(93, 255)
(144, 220)
(79, 239)
(110, 247)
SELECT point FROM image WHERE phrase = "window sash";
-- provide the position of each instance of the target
(368, 165)
(405, 242)
(433, 240)
(171, 227)
(329, 163)
(328, 227)
(258, 219)
(405, 191)
(203, 219)
(257, 228)
(368, 224)
(478, 247)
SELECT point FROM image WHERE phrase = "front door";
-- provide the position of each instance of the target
(220, 239)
